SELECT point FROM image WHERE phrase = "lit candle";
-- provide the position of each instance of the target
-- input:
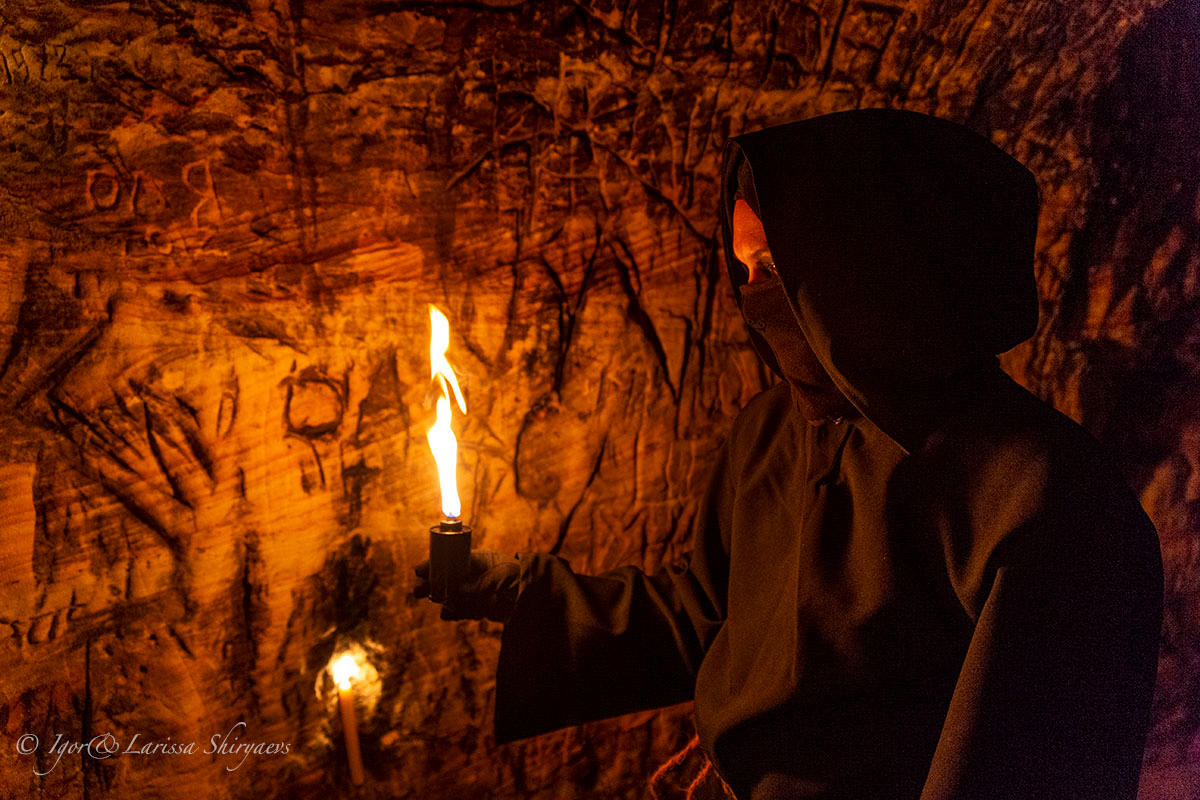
(344, 668)
(450, 540)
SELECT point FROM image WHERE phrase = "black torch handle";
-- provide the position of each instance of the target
(449, 552)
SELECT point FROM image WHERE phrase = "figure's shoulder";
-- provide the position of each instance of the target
(765, 427)
(769, 409)
(1011, 462)
(773, 397)
(1009, 436)
(1012, 477)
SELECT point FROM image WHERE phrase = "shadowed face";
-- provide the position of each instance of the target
(750, 243)
(768, 312)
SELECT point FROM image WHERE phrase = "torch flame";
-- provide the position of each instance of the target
(441, 437)
(343, 669)
(439, 342)
(445, 453)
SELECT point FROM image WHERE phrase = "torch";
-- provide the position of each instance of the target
(449, 540)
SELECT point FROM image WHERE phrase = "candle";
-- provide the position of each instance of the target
(450, 540)
(344, 668)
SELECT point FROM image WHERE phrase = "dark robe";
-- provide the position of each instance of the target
(952, 593)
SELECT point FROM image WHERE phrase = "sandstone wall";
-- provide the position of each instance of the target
(221, 224)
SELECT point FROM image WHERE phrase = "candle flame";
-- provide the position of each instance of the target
(441, 437)
(343, 669)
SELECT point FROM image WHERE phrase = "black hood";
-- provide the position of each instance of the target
(905, 244)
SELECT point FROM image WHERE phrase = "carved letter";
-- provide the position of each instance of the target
(207, 195)
(106, 200)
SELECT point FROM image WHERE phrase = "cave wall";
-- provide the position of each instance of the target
(221, 224)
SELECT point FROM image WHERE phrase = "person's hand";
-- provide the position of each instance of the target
(489, 590)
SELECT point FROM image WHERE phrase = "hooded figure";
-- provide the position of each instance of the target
(910, 577)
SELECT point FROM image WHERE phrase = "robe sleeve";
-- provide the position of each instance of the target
(1053, 698)
(579, 647)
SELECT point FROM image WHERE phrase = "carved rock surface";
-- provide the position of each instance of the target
(222, 222)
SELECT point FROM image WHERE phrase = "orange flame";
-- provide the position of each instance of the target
(343, 669)
(441, 437)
